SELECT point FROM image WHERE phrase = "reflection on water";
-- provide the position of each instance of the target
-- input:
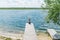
(15, 20)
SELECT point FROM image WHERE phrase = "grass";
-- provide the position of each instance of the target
(8, 39)
(18, 39)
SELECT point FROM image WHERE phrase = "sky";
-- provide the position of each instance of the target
(21, 3)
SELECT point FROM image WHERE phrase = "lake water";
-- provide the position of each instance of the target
(15, 20)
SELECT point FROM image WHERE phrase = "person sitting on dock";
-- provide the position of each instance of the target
(29, 21)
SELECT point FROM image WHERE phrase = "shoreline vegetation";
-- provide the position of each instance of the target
(15, 8)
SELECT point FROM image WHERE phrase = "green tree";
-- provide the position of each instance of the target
(53, 11)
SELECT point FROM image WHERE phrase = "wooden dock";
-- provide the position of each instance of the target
(29, 33)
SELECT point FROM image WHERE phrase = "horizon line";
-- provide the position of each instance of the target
(21, 8)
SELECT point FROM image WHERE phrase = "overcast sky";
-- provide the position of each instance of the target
(21, 3)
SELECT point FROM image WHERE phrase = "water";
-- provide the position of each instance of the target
(15, 20)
